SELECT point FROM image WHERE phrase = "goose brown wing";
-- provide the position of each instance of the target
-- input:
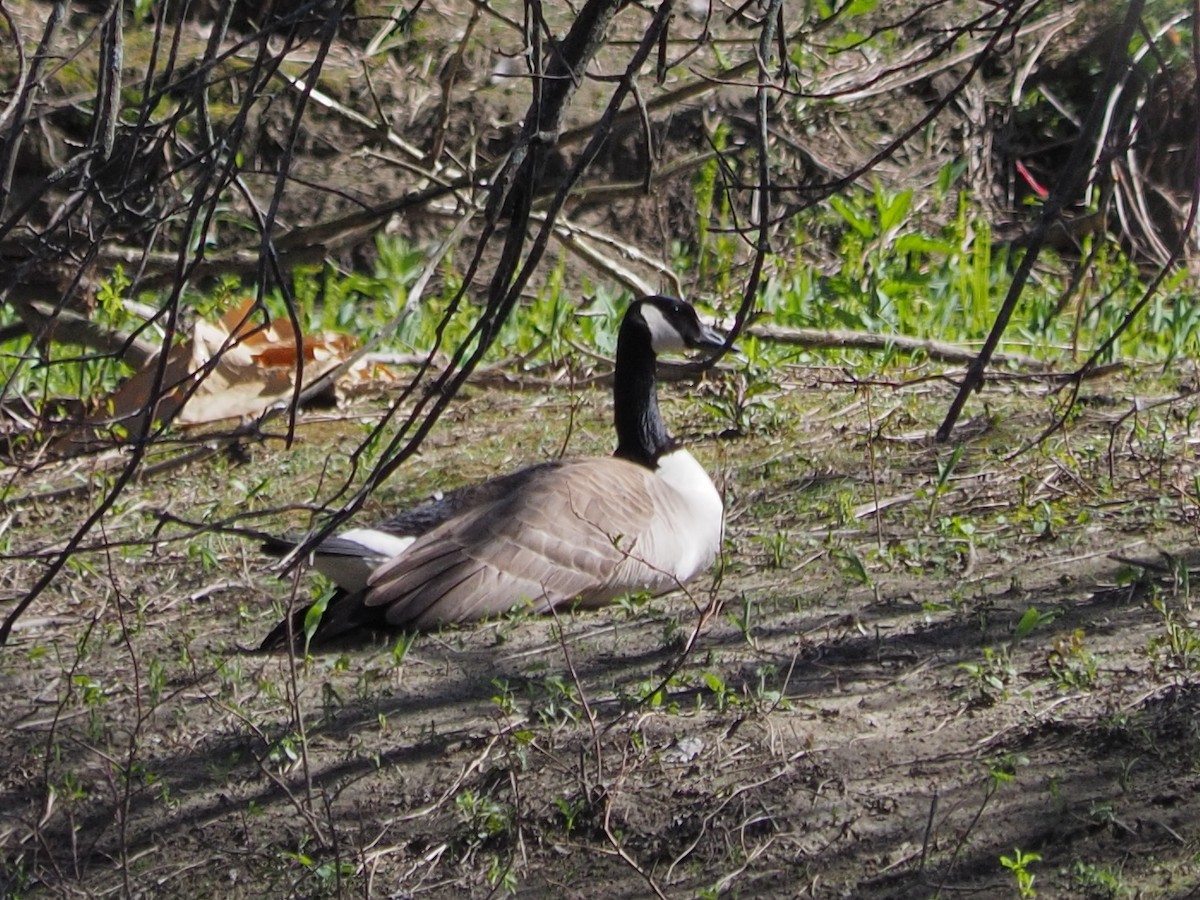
(430, 515)
(589, 529)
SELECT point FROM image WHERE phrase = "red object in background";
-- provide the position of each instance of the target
(1034, 184)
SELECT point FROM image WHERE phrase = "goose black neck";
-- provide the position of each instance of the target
(641, 435)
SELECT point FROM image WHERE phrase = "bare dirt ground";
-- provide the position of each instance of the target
(870, 713)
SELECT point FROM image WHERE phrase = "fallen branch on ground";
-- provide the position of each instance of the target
(821, 338)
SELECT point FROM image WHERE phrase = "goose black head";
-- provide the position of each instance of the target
(652, 325)
(672, 325)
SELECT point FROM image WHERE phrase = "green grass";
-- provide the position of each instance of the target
(895, 268)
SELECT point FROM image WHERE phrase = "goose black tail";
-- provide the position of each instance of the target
(278, 546)
(345, 615)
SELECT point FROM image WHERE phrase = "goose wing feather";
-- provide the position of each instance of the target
(421, 519)
(590, 529)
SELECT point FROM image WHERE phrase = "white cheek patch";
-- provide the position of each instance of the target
(664, 337)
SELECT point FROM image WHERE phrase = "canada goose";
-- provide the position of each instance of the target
(588, 530)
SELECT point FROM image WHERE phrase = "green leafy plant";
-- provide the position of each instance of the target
(778, 546)
(482, 818)
(285, 753)
(742, 619)
(570, 810)
(501, 875)
(1096, 881)
(634, 606)
(1003, 769)
(403, 644)
(768, 698)
(330, 875)
(504, 699)
(852, 565)
(1177, 649)
(1031, 620)
(988, 679)
(945, 468)
(1070, 662)
(557, 702)
(746, 401)
(724, 695)
(1018, 864)
(654, 693)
